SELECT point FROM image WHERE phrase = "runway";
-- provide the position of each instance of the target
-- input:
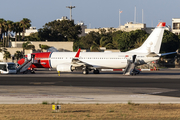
(107, 87)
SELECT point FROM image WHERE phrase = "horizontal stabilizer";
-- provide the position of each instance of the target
(163, 54)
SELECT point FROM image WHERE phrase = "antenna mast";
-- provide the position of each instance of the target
(135, 15)
(70, 7)
(142, 16)
(120, 18)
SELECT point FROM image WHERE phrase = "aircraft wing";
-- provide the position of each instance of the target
(163, 54)
(75, 63)
(78, 63)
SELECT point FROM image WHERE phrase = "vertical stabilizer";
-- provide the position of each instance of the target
(153, 42)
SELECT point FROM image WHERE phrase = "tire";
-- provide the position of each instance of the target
(96, 71)
(25, 72)
(85, 72)
(134, 73)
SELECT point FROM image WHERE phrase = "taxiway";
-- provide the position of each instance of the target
(108, 87)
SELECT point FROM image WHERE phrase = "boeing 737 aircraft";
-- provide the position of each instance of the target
(87, 61)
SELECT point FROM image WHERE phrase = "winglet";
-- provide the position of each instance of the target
(78, 52)
(161, 24)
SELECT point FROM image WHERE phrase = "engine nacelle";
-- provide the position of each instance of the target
(64, 68)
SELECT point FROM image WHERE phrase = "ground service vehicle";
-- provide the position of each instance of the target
(7, 67)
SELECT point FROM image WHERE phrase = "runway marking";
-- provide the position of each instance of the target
(42, 83)
(142, 95)
(43, 96)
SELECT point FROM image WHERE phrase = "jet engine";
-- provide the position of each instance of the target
(64, 68)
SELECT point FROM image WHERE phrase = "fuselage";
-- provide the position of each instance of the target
(96, 59)
(87, 61)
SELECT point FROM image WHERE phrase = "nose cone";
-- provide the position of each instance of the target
(21, 61)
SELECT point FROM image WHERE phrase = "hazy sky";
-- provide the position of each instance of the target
(94, 13)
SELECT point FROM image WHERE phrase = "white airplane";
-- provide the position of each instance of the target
(87, 61)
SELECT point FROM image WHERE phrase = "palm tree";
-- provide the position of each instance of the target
(20, 30)
(24, 46)
(10, 27)
(44, 47)
(25, 23)
(5, 32)
(7, 55)
(17, 29)
(27, 45)
(3, 49)
(18, 55)
(1, 28)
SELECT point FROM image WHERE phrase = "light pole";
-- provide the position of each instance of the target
(70, 7)
(120, 18)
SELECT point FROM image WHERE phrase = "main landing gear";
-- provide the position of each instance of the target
(85, 71)
(32, 71)
(96, 71)
(135, 72)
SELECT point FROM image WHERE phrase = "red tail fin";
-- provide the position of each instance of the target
(78, 52)
(161, 24)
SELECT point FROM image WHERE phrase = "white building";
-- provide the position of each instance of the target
(63, 18)
(30, 30)
(176, 26)
(129, 26)
(83, 27)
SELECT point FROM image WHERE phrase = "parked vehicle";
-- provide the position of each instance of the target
(7, 68)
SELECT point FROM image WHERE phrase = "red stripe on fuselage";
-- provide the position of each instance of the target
(42, 60)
